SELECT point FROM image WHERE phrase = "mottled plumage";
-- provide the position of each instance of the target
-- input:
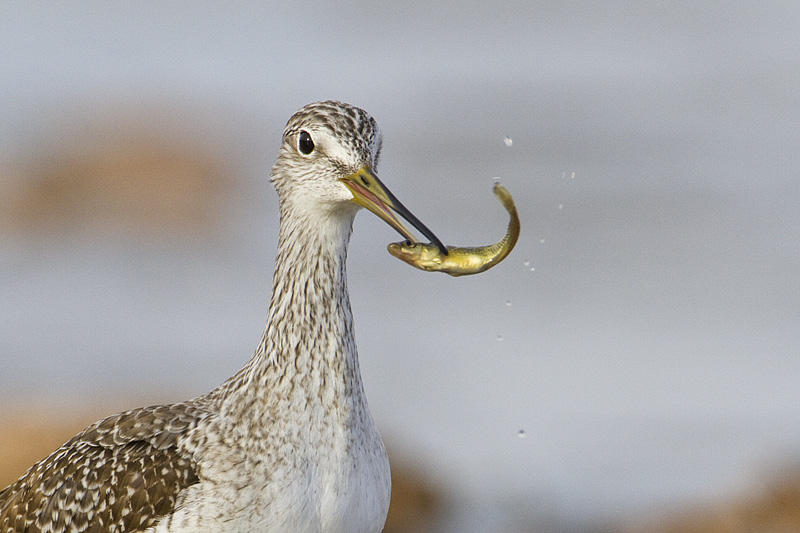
(122, 473)
(286, 444)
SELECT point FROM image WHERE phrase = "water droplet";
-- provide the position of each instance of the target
(508, 303)
(499, 338)
(533, 269)
(496, 180)
(508, 141)
(561, 206)
(541, 241)
(526, 263)
(572, 176)
(521, 434)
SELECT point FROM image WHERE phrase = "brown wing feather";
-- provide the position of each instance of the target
(122, 473)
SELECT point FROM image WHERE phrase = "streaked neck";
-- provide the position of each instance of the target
(307, 356)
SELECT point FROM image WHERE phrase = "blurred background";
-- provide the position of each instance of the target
(632, 366)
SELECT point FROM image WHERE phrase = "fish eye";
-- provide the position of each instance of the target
(407, 243)
(304, 143)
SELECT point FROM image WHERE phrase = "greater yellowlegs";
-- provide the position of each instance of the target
(288, 443)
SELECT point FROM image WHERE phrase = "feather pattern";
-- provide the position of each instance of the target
(122, 473)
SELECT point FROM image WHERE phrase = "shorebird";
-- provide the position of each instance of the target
(287, 444)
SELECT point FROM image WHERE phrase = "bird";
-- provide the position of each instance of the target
(286, 444)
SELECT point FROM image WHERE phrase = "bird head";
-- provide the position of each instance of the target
(328, 161)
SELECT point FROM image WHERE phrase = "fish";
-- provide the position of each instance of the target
(462, 261)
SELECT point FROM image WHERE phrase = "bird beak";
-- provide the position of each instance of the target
(369, 192)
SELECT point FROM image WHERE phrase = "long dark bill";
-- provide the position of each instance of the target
(368, 191)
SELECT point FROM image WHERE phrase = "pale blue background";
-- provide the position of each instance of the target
(652, 358)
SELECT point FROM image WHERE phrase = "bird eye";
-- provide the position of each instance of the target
(304, 143)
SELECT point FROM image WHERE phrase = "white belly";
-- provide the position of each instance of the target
(337, 488)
